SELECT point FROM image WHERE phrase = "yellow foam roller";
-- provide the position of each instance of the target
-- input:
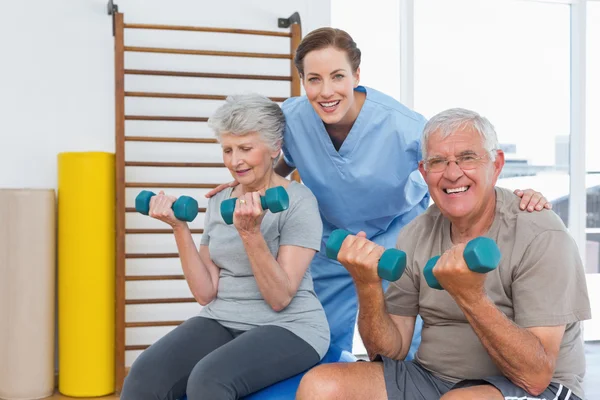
(86, 273)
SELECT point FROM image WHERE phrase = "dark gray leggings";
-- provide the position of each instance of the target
(208, 361)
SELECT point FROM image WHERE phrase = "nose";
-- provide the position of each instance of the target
(327, 88)
(453, 171)
(236, 158)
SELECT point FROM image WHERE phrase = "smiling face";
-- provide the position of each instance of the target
(329, 83)
(458, 193)
(249, 159)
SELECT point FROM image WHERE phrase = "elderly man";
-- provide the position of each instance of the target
(512, 333)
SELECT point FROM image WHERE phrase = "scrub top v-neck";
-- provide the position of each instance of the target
(372, 182)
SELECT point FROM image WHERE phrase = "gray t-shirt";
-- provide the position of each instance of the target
(239, 303)
(540, 282)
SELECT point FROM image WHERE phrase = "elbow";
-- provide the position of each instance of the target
(280, 305)
(537, 382)
(204, 299)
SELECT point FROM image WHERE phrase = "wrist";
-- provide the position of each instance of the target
(180, 227)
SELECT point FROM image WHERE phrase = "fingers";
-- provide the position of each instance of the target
(361, 234)
(360, 250)
(219, 188)
(248, 205)
(532, 200)
(161, 205)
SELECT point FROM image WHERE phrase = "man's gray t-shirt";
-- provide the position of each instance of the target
(540, 282)
(239, 303)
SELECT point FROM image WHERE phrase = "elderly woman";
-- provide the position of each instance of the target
(261, 321)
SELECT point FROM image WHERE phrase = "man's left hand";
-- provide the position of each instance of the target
(456, 278)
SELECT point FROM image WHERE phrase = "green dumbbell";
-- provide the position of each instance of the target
(275, 199)
(481, 254)
(185, 208)
(390, 267)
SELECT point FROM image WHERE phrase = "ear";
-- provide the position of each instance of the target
(277, 152)
(356, 77)
(422, 170)
(498, 164)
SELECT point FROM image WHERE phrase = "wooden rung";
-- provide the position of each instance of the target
(151, 255)
(206, 52)
(169, 140)
(206, 29)
(158, 231)
(164, 118)
(173, 164)
(171, 185)
(152, 324)
(184, 74)
(137, 347)
(160, 301)
(154, 277)
(188, 96)
(133, 210)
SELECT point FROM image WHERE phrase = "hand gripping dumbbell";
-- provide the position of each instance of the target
(390, 267)
(275, 199)
(185, 207)
(481, 255)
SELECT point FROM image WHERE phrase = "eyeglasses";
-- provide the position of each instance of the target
(464, 162)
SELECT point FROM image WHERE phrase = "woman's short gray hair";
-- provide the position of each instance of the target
(455, 119)
(247, 113)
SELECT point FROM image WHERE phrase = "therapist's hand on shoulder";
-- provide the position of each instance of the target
(360, 257)
(248, 214)
(222, 186)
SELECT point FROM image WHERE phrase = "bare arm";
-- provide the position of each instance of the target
(525, 356)
(382, 333)
(201, 274)
(278, 280)
(282, 169)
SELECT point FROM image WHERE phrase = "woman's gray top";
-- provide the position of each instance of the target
(239, 303)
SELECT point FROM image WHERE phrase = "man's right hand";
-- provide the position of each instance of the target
(360, 257)
(221, 187)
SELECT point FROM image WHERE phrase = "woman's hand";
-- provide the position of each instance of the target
(161, 209)
(248, 214)
(532, 200)
(221, 187)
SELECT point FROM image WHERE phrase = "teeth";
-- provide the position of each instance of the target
(330, 104)
(457, 190)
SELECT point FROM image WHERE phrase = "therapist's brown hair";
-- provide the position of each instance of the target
(327, 37)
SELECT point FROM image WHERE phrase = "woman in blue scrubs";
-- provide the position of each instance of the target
(358, 150)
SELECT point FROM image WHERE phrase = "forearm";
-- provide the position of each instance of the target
(518, 353)
(377, 330)
(282, 169)
(196, 273)
(273, 282)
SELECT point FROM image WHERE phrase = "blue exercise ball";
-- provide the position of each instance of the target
(286, 389)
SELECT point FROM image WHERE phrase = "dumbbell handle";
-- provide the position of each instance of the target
(390, 266)
(481, 255)
(185, 208)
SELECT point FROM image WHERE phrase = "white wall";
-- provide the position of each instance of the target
(57, 71)
(375, 27)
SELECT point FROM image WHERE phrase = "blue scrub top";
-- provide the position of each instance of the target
(372, 183)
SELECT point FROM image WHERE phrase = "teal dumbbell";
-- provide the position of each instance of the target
(185, 207)
(275, 200)
(481, 255)
(390, 267)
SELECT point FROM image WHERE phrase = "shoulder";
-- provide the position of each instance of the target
(532, 223)
(393, 107)
(293, 105)
(298, 193)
